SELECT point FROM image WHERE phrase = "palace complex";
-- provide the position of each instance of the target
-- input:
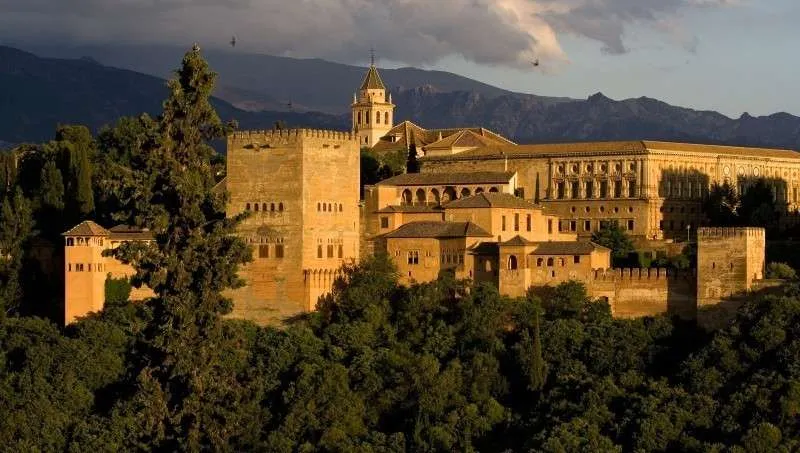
(483, 208)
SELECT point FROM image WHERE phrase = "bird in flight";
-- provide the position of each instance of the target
(233, 41)
(535, 63)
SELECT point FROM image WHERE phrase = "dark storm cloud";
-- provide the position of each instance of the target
(504, 32)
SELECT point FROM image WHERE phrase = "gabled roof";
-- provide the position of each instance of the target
(438, 230)
(567, 248)
(468, 138)
(87, 228)
(406, 133)
(517, 241)
(491, 200)
(372, 81)
(427, 179)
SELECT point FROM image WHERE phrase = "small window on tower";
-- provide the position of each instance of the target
(386, 120)
(279, 251)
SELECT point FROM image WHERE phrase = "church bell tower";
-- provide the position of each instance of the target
(373, 112)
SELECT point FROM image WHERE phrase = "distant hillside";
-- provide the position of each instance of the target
(36, 94)
(267, 82)
(529, 120)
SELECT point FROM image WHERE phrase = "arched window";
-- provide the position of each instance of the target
(256, 207)
(272, 207)
(449, 194)
(385, 117)
(319, 251)
(330, 207)
(494, 190)
(70, 242)
(435, 196)
(280, 207)
(264, 207)
(366, 117)
(465, 192)
(407, 197)
(247, 206)
(341, 208)
(539, 262)
(359, 118)
(478, 190)
(377, 117)
(421, 197)
(319, 207)
(549, 262)
(324, 207)
(561, 262)
(512, 262)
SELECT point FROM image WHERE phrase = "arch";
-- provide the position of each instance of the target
(272, 207)
(256, 207)
(330, 208)
(319, 207)
(494, 190)
(549, 262)
(407, 197)
(359, 118)
(539, 262)
(280, 207)
(324, 207)
(247, 206)
(377, 117)
(435, 197)
(421, 197)
(449, 194)
(341, 208)
(385, 117)
(512, 263)
(479, 190)
(465, 192)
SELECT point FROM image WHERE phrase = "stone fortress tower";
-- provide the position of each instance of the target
(373, 112)
(301, 190)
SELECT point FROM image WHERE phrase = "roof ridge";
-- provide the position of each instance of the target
(372, 80)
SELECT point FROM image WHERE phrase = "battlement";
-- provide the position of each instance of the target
(292, 135)
(729, 232)
(639, 274)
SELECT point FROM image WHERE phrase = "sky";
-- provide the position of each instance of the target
(732, 56)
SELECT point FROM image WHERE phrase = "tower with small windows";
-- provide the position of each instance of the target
(372, 108)
(729, 262)
(84, 270)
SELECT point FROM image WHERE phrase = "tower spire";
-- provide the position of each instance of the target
(372, 56)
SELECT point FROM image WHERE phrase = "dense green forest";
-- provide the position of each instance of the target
(379, 367)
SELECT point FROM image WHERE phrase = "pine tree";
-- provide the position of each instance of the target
(8, 171)
(412, 164)
(52, 187)
(192, 397)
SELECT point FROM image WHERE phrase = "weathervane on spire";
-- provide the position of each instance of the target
(372, 56)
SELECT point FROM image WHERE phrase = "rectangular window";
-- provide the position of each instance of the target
(528, 222)
(603, 189)
(319, 251)
(330, 250)
(69, 267)
(279, 251)
(341, 251)
(263, 251)
(413, 257)
(661, 225)
(630, 225)
(587, 225)
(576, 259)
(573, 225)
(503, 223)
(549, 226)
(384, 222)
(516, 222)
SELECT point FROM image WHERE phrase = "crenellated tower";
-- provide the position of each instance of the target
(373, 111)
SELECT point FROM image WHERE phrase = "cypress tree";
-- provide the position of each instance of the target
(82, 174)
(537, 362)
(8, 171)
(536, 190)
(412, 164)
(185, 398)
(52, 186)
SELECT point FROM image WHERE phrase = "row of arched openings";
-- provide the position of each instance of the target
(265, 207)
(421, 196)
(366, 118)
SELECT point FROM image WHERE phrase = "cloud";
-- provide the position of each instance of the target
(492, 32)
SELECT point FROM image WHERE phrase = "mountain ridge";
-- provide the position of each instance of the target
(37, 93)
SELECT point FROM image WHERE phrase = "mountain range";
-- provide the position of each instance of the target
(95, 85)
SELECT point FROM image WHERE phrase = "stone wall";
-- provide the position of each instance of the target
(729, 261)
(633, 293)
